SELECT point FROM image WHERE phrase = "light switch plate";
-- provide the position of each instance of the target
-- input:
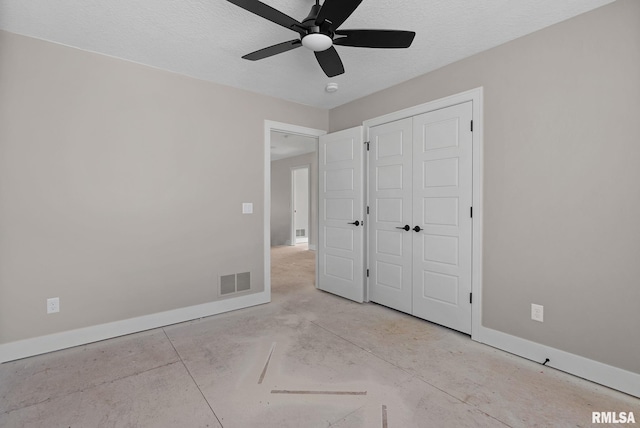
(247, 208)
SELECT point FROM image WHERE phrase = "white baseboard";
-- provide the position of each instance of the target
(312, 247)
(604, 374)
(67, 339)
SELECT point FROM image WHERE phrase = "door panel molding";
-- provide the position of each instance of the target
(390, 209)
(442, 257)
(341, 204)
(476, 98)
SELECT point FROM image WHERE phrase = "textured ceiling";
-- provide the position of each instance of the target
(285, 145)
(206, 38)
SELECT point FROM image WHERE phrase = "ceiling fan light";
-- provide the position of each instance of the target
(317, 42)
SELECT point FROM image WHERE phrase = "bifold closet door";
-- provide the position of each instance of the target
(442, 200)
(390, 215)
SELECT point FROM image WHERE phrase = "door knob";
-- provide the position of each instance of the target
(357, 223)
(405, 227)
(417, 229)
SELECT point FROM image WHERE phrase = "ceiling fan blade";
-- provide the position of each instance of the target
(330, 62)
(336, 11)
(374, 38)
(273, 50)
(273, 15)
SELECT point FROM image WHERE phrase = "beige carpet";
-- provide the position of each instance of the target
(292, 269)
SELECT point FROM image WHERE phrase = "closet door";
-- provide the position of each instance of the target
(390, 200)
(442, 191)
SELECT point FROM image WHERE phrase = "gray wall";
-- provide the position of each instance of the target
(281, 198)
(561, 178)
(121, 186)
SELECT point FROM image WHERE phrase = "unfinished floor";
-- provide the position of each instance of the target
(308, 359)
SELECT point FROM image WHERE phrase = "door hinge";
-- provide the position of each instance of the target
(470, 297)
(367, 209)
(471, 212)
(367, 143)
(367, 273)
(472, 126)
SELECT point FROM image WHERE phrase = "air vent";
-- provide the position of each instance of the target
(235, 283)
(243, 281)
(227, 284)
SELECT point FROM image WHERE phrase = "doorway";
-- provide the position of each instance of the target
(290, 207)
(300, 205)
(293, 173)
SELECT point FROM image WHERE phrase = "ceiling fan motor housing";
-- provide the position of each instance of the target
(315, 10)
(320, 38)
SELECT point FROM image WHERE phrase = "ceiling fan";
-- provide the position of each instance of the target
(319, 32)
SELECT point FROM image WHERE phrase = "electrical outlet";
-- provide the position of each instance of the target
(537, 312)
(53, 305)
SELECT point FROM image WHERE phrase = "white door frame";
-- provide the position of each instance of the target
(294, 238)
(269, 126)
(476, 97)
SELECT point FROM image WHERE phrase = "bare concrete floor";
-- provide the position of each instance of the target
(308, 359)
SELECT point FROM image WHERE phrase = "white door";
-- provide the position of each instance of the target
(390, 214)
(442, 191)
(341, 214)
(420, 179)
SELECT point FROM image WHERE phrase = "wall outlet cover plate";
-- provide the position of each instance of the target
(53, 305)
(537, 312)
